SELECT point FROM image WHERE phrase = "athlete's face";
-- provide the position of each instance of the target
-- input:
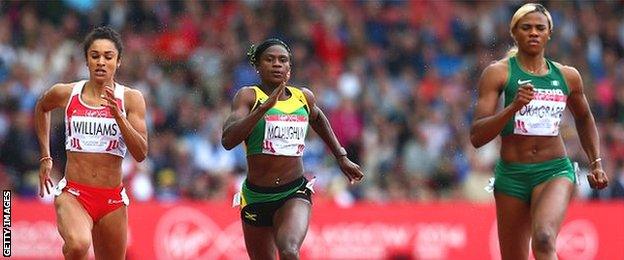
(274, 65)
(532, 32)
(102, 60)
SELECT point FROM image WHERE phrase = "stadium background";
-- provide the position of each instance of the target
(397, 80)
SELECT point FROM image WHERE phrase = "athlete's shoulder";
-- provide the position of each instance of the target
(62, 88)
(132, 94)
(246, 94)
(497, 71)
(247, 90)
(501, 65)
(567, 70)
(571, 75)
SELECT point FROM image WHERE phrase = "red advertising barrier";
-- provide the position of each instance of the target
(186, 230)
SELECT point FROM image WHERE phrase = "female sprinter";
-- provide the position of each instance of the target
(534, 179)
(103, 119)
(272, 119)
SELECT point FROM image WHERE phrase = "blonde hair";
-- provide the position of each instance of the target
(521, 12)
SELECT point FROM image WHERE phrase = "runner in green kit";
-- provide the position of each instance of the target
(272, 119)
(534, 179)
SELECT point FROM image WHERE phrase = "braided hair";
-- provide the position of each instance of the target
(254, 52)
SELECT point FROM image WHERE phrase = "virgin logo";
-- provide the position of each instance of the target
(578, 239)
(185, 233)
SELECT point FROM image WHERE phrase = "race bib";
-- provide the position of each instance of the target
(95, 134)
(284, 134)
(542, 116)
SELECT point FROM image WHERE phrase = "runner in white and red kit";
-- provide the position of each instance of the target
(103, 120)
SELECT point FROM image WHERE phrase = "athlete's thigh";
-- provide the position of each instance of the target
(291, 222)
(549, 203)
(514, 226)
(110, 235)
(259, 242)
(74, 223)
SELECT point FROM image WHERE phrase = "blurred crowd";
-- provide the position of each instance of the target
(397, 79)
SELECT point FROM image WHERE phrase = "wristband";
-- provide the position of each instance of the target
(595, 161)
(45, 158)
(341, 152)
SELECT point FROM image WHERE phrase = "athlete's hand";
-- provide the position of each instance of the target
(524, 96)
(44, 177)
(350, 169)
(277, 93)
(111, 103)
(597, 178)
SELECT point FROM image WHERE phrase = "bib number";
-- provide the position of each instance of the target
(284, 135)
(539, 118)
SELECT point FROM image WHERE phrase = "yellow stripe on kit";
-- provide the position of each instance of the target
(296, 101)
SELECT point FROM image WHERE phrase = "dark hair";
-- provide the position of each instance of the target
(254, 52)
(103, 32)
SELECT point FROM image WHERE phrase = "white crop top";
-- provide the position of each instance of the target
(91, 129)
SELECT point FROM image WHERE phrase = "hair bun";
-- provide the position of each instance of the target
(251, 51)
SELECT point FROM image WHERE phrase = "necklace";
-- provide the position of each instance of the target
(535, 71)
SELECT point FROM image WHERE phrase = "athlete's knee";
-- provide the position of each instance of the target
(76, 246)
(288, 250)
(544, 240)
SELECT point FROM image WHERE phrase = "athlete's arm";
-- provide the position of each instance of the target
(320, 124)
(585, 125)
(487, 123)
(55, 97)
(132, 126)
(242, 120)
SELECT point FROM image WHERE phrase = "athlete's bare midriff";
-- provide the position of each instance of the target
(94, 169)
(531, 149)
(265, 169)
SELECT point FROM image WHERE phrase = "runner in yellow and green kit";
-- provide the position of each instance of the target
(272, 119)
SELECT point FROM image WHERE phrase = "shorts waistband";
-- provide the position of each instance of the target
(83, 186)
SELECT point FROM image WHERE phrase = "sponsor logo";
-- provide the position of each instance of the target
(251, 216)
(186, 233)
(74, 191)
(522, 82)
(578, 239)
(112, 201)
